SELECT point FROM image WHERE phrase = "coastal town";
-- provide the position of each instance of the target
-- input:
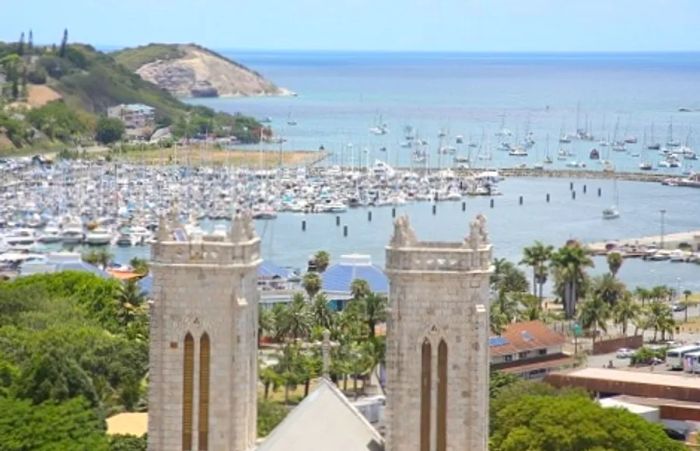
(330, 256)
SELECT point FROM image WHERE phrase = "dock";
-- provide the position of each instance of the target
(670, 241)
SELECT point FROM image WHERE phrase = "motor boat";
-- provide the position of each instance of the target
(50, 234)
(611, 213)
(21, 237)
(264, 212)
(98, 237)
(517, 152)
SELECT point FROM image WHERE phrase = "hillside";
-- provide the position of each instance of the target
(188, 70)
(85, 82)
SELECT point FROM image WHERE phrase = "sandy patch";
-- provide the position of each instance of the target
(40, 95)
(133, 423)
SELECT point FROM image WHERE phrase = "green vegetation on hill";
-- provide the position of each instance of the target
(133, 58)
(89, 82)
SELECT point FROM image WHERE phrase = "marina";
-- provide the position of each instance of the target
(81, 205)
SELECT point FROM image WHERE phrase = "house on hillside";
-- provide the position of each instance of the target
(139, 119)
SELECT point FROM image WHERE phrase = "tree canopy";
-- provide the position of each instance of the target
(573, 422)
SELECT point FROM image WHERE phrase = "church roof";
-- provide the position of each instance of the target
(325, 420)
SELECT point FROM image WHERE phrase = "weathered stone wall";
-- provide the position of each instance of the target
(438, 292)
(204, 287)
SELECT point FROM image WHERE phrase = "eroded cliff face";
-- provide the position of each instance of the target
(201, 73)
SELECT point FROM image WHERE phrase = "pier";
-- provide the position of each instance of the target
(667, 241)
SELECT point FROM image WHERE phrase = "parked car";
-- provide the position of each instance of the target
(624, 353)
(678, 307)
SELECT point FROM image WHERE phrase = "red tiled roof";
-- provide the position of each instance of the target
(526, 336)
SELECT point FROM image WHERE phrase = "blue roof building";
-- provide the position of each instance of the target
(338, 277)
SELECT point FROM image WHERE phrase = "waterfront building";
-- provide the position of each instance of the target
(337, 278)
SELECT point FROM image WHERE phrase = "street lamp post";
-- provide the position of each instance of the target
(663, 214)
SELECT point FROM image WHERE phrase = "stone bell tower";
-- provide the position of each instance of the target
(437, 341)
(203, 347)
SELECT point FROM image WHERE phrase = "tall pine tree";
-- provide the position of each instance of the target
(64, 42)
(20, 46)
(30, 43)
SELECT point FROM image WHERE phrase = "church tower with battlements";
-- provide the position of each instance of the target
(437, 341)
(203, 345)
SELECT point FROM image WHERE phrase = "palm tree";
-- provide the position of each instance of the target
(359, 288)
(312, 284)
(659, 293)
(322, 260)
(375, 310)
(686, 302)
(530, 308)
(642, 294)
(266, 323)
(497, 319)
(139, 265)
(270, 379)
(507, 278)
(594, 313)
(508, 304)
(614, 260)
(296, 320)
(569, 263)
(608, 287)
(625, 311)
(537, 256)
(660, 317)
(101, 258)
(322, 315)
(130, 298)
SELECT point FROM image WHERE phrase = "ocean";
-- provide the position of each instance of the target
(341, 95)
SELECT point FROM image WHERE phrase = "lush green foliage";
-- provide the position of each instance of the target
(270, 414)
(50, 426)
(72, 346)
(109, 130)
(134, 58)
(57, 121)
(127, 443)
(573, 422)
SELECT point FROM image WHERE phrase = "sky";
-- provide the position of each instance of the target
(367, 25)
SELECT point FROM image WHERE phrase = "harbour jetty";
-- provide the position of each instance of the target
(671, 241)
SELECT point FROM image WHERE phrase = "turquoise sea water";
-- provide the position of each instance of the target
(342, 95)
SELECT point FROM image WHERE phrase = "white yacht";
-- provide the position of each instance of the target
(140, 235)
(21, 237)
(518, 152)
(50, 234)
(72, 231)
(611, 213)
(98, 237)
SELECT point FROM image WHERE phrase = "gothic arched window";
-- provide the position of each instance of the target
(442, 397)
(187, 392)
(204, 359)
(425, 381)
